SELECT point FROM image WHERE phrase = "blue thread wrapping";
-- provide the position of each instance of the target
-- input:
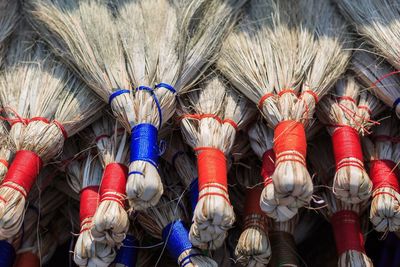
(144, 145)
(396, 102)
(194, 194)
(117, 93)
(176, 238)
(127, 253)
(7, 254)
(166, 86)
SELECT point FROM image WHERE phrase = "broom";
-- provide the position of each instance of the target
(277, 45)
(59, 106)
(156, 50)
(209, 121)
(253, 247)
(88, 252)
(283, 246)
(381, 155)
(111, 220)
(378, 76)
(9, 16)
(341, 112)
(346, 228)
(166, 222)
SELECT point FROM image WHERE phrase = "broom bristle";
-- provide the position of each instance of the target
(9, 16)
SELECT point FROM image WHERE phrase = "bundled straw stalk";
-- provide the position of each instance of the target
(111, 221)
(161, 61)
(166, 222)
(89, 252)
(348, 112)
(383, 157)
(253, 247)
(43, 109)
(278, 45)
(379, 77)
(209, 121)
(7, 150)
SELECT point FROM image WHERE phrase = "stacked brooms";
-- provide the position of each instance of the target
(212, 130)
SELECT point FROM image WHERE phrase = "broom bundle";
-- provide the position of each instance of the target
(347, 114)
(349, 239)
(8, 19)
(382, 156)
(43, 109)
(157, 51)
(278, 45)
(253, 247)
(6, 150)
(379, 77)
(209, 121)
(283, 246)
(111, 220)
(89, 252)
(166, 221)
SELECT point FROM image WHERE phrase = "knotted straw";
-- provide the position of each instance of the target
(253, 247)
(158, 47)
(87, 251)
(277, 46)
(348, 113)
(166, 222)
(111, 220)
(209, 120)
(43, 109)
(380, 153)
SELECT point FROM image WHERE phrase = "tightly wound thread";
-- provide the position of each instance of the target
(253, 215)
(290, 140)
(176, 237)
(268, 166)
(27, 259)
(347, 148)
(23, 171)
(88, 203)
(127, 253)
(383, 174)
(283, 249)
(347, 231)
(212, 170)
(144, 144)
(113, 183)
(7, 254)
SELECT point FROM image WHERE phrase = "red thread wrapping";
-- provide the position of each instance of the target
(24, 170)
(4, 162)
(346, 145)
(113, 183)
(313, 94)
(27, 259)
(252, 202)
(263, 98)
(383, 174)
(88, 202)
(347, 231)
(268, 166)
(290, 136)
(212, 170)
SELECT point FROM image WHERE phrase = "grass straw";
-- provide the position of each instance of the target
(213, 215)
(111, 220)
(49, 91)
(277, 46)
(9, 17)
(7, 151)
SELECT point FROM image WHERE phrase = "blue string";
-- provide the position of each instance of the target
(166, 86)
(7, 254)
(176, 238)
(187, 259)
(151, 91)
(194, 193)
(144, 145)
(396, 102)
(117, 93)
(127, 253)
